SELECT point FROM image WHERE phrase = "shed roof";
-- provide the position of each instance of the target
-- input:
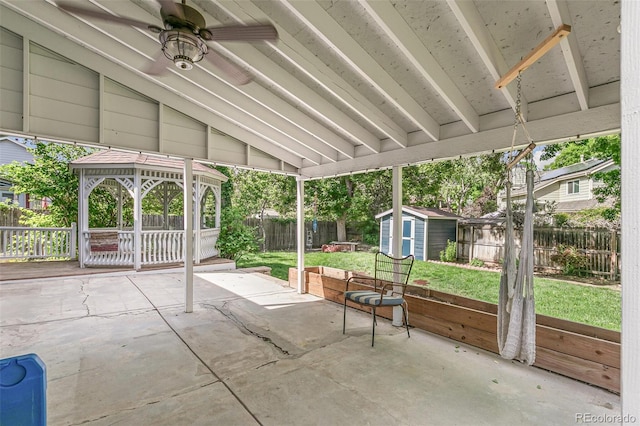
(113, 159)
(423, 212)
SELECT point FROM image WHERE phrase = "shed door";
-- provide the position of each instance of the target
(408, 235)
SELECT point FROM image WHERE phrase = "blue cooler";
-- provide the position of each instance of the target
(23, 391)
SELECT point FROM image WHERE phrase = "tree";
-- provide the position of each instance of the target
(255, 192)
(49, 177)
(456, 184)
(332, 199)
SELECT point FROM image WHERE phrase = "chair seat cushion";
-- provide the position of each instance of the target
(366, 297)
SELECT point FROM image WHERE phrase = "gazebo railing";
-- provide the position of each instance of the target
(116, 248)
(162, 247)
(208, 240)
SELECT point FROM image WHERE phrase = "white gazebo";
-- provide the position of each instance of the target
(139, 176)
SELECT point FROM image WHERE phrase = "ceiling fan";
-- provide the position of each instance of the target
(184, 36)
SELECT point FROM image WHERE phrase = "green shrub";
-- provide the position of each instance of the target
(236, 239)
(572, 261)
(561, 219)
(476, 262)
(449, 254)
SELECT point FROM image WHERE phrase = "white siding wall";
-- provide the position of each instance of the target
(584, 193)
(226, 148)
(262, 159)
(10, 80)
(129, 116)
(189, 135)
(64, 97)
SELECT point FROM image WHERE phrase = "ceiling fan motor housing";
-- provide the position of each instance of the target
(193, 20)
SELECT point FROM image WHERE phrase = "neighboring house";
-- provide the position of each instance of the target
(11, 150)
(571, 187)
(425, 231)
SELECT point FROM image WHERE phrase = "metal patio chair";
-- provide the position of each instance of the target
(389, 285)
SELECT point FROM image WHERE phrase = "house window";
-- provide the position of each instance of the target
(573, 187)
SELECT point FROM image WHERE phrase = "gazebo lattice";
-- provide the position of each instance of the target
(138, 176)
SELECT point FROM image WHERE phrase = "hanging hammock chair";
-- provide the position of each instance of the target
(516, 306)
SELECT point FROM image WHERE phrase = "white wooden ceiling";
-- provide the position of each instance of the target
(350, 85)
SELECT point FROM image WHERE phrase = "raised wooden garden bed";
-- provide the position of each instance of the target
(579, 351)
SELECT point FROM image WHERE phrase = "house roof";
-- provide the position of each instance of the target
(569, 172)
(8, 139)
(118, 159)
(423, 212)
(573, 168)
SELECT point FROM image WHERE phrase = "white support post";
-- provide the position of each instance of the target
(137, 220)
(26, 85)
(120, 207)
(300, 232)
(165, 205)
(197, 220)
(630, 168)
(396, 196)
(83, 214)
(218, 195)
(72, 240)
(188, 234)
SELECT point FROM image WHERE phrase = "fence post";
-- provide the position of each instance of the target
(471, 238)
(73, 240)
(614, 255)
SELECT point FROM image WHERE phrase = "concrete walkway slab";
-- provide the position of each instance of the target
(120, 350)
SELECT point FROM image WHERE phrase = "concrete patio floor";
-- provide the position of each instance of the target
(119, 349)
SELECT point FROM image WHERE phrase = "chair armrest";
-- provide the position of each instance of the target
(390, 286)
(368, 281)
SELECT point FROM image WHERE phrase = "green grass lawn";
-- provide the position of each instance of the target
(598, 306)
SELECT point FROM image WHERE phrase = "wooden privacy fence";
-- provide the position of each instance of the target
(599, 246)
(579, 351)
(37, 243)
(281, 234)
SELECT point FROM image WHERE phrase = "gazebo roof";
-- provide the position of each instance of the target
(118, 159)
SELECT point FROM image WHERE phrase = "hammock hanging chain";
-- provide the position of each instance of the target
(516, 308)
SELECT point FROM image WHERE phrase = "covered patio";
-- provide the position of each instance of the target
(348, 87)
(119, 348)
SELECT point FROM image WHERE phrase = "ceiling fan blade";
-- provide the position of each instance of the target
(91, 13)
(243, 32)
(234, 73)
(171, 8)
(158, 66)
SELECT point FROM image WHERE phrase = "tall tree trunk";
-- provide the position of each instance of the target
(342, 221)
(263, 233)
(341, 224)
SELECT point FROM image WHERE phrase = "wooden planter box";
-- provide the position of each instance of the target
(582, 352)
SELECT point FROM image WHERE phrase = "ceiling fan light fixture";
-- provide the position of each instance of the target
(183, 48)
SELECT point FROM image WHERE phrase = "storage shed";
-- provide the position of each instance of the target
(425, 231)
